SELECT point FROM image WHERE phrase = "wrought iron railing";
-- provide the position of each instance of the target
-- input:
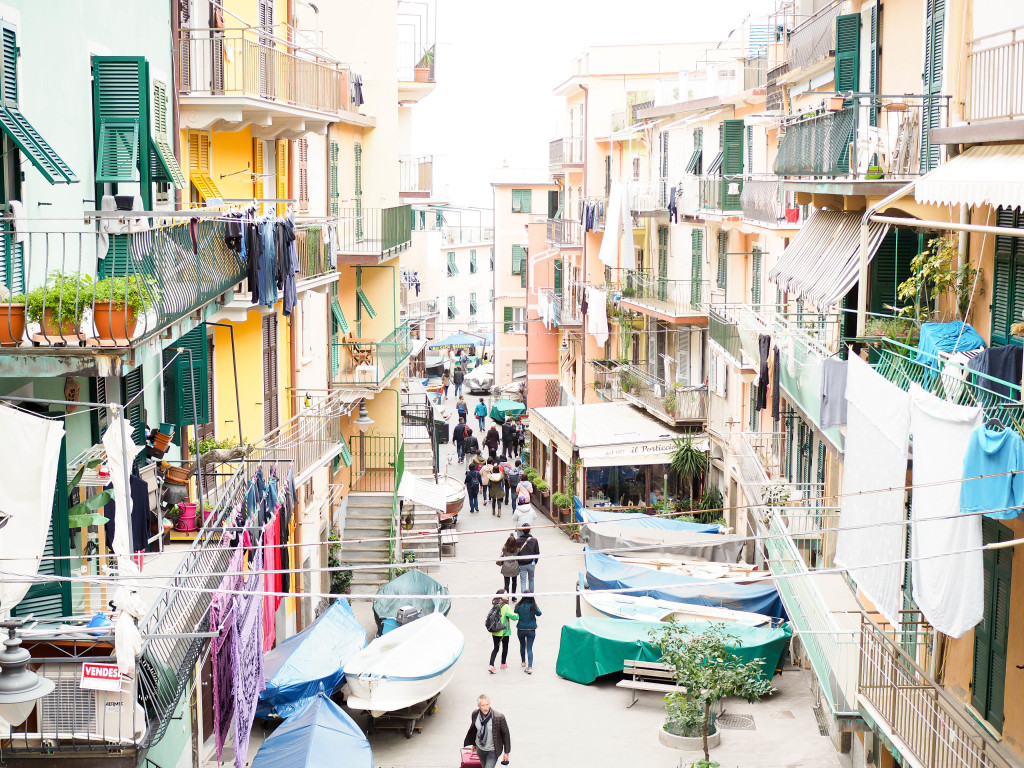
(817, 146)
(720, 193)
(416, 174)
(763, 201)
(249, 62)
(78, 288)
(384, 231)
(725, 333)
(564, 232)
(371, 362)
(815, 38)
(314, 255)
(669, 401)
(417, 310)
(645, 289)
(755, 72)
(996, 89)
(565, 151)
(375, 463)
(570, 310)
(416, 62)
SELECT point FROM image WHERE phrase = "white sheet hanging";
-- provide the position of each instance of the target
(628, 247)
(29, 454)
(612, 227)
(597, 315)
(949, 589)
(877, 427)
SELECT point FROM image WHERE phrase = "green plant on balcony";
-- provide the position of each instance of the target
(628, 381)
(628, 292)
(126, 292)
(898, 328)
(561, 500)
(935, 277)
(341, 580)
(60, 303)
(670, 403)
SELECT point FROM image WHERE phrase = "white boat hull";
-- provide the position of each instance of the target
(595, 603)
(380, 695)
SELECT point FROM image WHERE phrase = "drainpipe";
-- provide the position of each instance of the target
(176, 88)
(583, 336)
(962, 256)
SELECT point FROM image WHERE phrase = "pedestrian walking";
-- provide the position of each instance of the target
(500, 630)
(530, 548)
(481, 413)
(461, 408)
(488, 734)
(473, 488)
(494, 489)
(523, 492)
(464, 359)
(526, 630)
(459, 437)
(457, 378)
(509, 565)
(520, 438)
(445, 381)
(485, 478)
(470, 445)
(492, 439)
(508, 436)
(513, 474)
(524, 515)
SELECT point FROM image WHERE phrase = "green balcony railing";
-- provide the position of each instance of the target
(725, 333)
(817, 146)
(371, 362)
(645, 289)
(379, 231)
(375, 463)
(314, 255)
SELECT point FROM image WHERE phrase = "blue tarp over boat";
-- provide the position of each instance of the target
(311, 661)
(318, 735)
(642, 520)
(605, 572)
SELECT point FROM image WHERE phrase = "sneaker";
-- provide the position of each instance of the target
(529, 670)
(492, 670)
(499, 513)
(504, 666)
(524, 665)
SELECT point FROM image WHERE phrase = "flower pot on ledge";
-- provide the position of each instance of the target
(689, 743)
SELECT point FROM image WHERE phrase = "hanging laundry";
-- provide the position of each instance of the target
(270, 549)
(222, 620)
(1004, 363)
(608, 254)
(833, 393)
(944, 337)
(597, 316)
(673, 209)
(20, 221)
(1000, 454)
(947, 587)
(764, 345)
(777, 387)
(871, 541)
(287, 262)
(268, 264)
(233, 231)
(248, 654)
(357, 90)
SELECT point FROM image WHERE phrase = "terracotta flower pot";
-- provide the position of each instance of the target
(114, 321)
(55, 331)
(177, 475)
(12, 324)
(422, 74)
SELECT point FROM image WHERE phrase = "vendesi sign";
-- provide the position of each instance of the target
(100, 677)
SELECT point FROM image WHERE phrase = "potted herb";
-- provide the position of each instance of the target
(12, 318)
(424, 66)
(542, 488)
(59, 304)
(628, 381)
(670, 403)
(834, 103)
(690, 463)
(118, 302)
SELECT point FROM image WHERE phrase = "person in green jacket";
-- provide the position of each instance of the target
(501, 638)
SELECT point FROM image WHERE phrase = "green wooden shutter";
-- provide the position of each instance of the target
(755, 276)
(472, 303)
(492, 259)
(163, 164)
(358, 173)
(662, 263)
(453, 311)
(526, 199)
(335, 349)
(696, 264)
(732, 161)
(1007, 279)
(934, 40)
(12, 262)
(753, 407)
(558, 276)
(518, 259)
(132, 384)
(364, 303)
(509, 317)
(607, 175)
(472, 261)
(121, 117)
(333, 192)
(723, 259)
(9, 79)
(339, 316)
(788, 463)
(453, 268)
(187, 379)
(821, 462)
(890, 267)
(873, 69)
(988, 678)
(847, 63)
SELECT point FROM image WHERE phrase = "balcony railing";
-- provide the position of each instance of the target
(566, 232)
(570, 311)
(416, 174)
(379, 231)
(763, 201)
(565, 151)
(376, 460)
(648, 197)
(755, 73)
(311, 438)
(815, 38)
(928, 721)
(418, 310)
(997, 76)
(817, 146)
(248, 62)
(314, 255)
(415, 63)
(720, 193)
(670, 402)
(646, 291)
(725, 333)
(131, 285)
(371, 362)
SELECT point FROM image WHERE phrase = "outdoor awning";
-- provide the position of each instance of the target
(822, 262)
(983, 175)
(422, 492)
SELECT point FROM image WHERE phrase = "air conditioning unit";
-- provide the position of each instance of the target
(73, 712)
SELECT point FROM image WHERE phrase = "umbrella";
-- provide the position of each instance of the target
(318, 735)
(505, 408)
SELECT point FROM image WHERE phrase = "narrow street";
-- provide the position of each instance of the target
(557, 722)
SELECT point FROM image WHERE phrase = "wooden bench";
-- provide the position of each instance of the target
(449, 539)
(648, 676)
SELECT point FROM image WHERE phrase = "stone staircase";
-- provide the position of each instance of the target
(421, 538)
(368, 517)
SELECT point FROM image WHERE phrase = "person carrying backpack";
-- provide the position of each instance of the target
(461, 408)
(526, 629)
(498, 623)
(470, 445)
(457, 378)
(459, 437)
(481, 413)
(473, 488)
(512, 477)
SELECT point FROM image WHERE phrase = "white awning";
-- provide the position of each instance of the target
(822, 263)
(984, 175)
(422, 492)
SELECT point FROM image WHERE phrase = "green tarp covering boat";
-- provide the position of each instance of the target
(502, 409)
(592, 647)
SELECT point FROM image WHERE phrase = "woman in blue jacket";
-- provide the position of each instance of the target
(481, 414)
(526, 629)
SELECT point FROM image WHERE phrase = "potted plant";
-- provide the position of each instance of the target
(670, 403)
(58, 305)
(628, 381)
(834, 103)
(117, 304)
(542, 488)
(12, 318)
(424, 66)
(707, 669)
(690, 463)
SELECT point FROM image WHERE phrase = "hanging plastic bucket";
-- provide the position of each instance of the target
(187, 519)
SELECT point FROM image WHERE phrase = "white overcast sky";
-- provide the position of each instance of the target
(497, 63)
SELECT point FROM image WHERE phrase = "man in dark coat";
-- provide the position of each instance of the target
(508, 437)
(488, 734)
(492, 439)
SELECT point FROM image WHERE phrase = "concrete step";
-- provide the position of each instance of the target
(367, 558)
(374, 513)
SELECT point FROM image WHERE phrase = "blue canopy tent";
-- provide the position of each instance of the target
(311, 661)
(463, 341)
(605, 572)
(318, 735)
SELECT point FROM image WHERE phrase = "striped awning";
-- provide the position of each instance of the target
(992, 174)
(822, 263)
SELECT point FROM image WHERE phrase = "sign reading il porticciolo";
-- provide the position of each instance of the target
(100, 677)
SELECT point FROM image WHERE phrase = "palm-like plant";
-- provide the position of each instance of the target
(690, 463)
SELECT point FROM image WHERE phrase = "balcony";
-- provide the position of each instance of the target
(70, 286)
(763, 202)
(416, 176)
(416, 68)
(671, 300)
(233, 77)
(312, 438)
(996, 90)
(416, 311)
(567, 151)
(315, 260)
(814, 40)
(648, 197)
(565, 233)
(720, 194)
(672, 403)
(755, 73)
(365, 362)
(726, 333)
(373, 235)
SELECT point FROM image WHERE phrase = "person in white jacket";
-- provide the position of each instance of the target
(524, 516)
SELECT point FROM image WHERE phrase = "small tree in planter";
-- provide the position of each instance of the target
(690, 463)
(710, 672)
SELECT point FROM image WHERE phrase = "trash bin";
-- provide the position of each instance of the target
(441, 432)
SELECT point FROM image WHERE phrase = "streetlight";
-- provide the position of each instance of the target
(20, 688)
(364, 422)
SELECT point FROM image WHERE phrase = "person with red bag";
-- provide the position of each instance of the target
(487, 736)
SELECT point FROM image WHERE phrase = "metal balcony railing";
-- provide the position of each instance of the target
(311, 438)
(314, 255)
(763, 201)
(815, 38)
(755, 73)
(252, 63)
(668, 401)
(996, 90)
(647, 197)
(646, 290)
(564, 232)
(570, 310)
(418, 310)
(817, 146)
(606, 380)
(363, 361)
(383, 231)
(720, 193)
(87, 288)
(565, 151)
(416, 174)
(377, 462)
(725, 333)
(416, 62)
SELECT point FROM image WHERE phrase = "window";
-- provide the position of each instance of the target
(161, 157)
(453, 268)
(988, 679)
(636, 169)
(1008, 274)
(472, 303)
(753, 407)
(755, 277)
(271, 413)
(521, 201)
(258, 150)
(515, 320)
(186, 381)
(723, 259)
(333, 191)
(518, 259)
(303, 152)
(472, 261)
(453, 311)
(492, 259)
(695, 163)
(357, 170)
(518, 368)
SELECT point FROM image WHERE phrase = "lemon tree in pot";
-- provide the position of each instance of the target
(118, 302)
(12, 318)
(59, 304)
